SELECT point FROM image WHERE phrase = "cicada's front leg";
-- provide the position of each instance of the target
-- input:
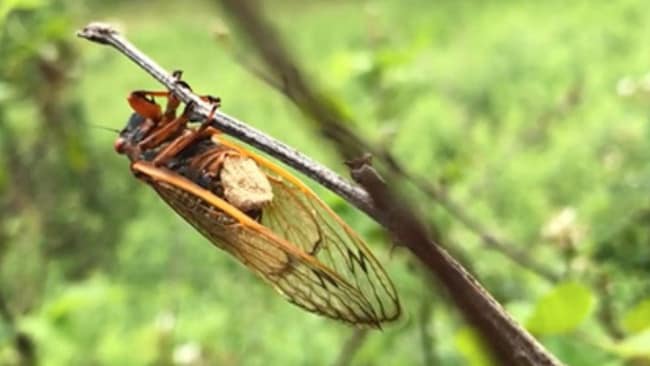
(144, 104)
(166, 132)
(166, 126)
(188, 137)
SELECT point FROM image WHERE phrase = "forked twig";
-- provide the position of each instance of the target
(510, 343)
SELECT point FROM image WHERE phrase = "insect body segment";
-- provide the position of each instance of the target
(258, 212)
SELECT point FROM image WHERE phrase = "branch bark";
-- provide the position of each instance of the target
(510, 343)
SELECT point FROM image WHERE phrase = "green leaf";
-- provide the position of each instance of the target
(637, 345)
(469, 344)
(637, 318)
(562, 310)
(82, 297)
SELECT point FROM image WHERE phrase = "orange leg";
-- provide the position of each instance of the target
(175, 147)
(164, 133)
(142, 103)
(181, 143)
(167, 125)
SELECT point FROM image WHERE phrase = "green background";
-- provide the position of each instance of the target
(533, 116)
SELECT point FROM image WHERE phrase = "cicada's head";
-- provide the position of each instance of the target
(140, 125)
(129, 137)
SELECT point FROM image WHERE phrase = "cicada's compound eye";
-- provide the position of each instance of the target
(133, 130)
(134, 121)
(130, 135)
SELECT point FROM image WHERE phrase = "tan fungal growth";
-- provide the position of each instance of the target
(245, 186)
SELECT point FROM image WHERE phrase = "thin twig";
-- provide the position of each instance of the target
(23, 343)
(606, 312)
(5, 313)
(511, 344)
(105, 34)
(426, 338)
(351, 347)
(490, 240)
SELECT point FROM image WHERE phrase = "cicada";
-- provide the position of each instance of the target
(257, 211)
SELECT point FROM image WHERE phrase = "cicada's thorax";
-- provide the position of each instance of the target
(226, 173)
(215, 167)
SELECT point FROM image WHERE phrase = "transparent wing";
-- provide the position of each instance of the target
(295, 273)
(299, 216)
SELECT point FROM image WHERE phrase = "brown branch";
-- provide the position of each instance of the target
(510, 343)
(292, 86)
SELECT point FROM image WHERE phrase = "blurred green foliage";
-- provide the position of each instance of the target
(550, 317)
(533, 116)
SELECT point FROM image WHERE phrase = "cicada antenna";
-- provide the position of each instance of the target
(115, 130)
